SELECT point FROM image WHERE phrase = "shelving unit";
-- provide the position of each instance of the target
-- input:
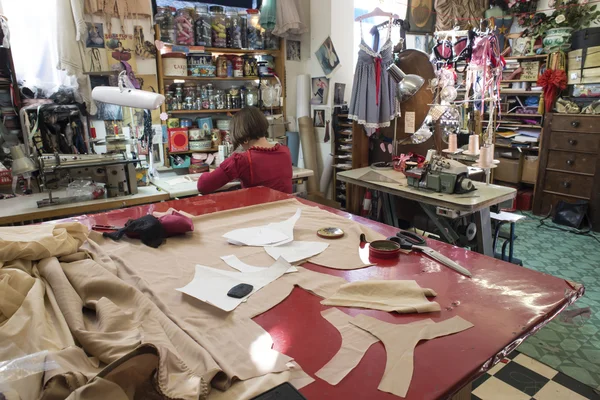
(342, 136)
(221, 83)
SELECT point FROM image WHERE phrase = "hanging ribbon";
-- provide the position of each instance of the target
(377, 78)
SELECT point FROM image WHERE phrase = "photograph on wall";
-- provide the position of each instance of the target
(143, 48)
(95, 60)
(95, 37)
(328, 58)
(319, 119)
(292, 52)
(338, 93)
(421, 17)
(319, 90)
(120, 49)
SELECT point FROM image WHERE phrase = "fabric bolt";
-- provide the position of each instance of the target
(373, 97)
(257, 166)
(384, 295)
(400, 342)
(355, 343)
(290, 21)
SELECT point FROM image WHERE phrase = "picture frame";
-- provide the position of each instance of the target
(338, 93)
(421, 17)
(319, 118)
(328, 57)
(319, 90)
(293, 50)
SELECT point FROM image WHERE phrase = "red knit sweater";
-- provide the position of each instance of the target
(258, 166)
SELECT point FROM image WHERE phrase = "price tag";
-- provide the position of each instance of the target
(409, 122)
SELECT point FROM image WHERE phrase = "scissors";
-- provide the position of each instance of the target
(411, 241)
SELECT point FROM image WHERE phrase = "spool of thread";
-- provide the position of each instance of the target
(452, 142)
(474, 144)
(485, 157)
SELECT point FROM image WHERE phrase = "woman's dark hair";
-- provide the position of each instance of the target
(248, 124)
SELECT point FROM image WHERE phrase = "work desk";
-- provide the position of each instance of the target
(505, 303)
(189, 188)
(394, 184)
(24, 208)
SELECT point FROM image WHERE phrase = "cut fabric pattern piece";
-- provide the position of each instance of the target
(236, 263)
(399, 296)
(355, 343)
(211, 285)
(400, 342)
(296, 251)
(273, 234)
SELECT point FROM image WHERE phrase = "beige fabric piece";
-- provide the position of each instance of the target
(399, 296)
(355, 343)
(400, 342)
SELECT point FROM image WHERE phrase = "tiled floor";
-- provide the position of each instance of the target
(521, 377)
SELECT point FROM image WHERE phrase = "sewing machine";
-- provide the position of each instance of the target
(115, 170)
(441, 175)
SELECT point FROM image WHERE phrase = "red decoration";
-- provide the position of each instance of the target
(552, 81)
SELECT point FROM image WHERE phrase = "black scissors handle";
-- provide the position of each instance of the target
(407, 240)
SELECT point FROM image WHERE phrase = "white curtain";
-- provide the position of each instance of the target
(33, 39)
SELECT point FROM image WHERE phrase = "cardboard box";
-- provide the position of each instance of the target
(509, 170)
(530, 169)
(590, 71)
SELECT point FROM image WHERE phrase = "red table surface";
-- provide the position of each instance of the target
(505, 303)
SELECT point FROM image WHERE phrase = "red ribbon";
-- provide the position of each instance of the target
(377, 78)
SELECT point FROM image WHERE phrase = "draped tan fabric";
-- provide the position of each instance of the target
(461, 13)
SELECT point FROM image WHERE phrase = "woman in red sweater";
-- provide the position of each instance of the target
(261, 164)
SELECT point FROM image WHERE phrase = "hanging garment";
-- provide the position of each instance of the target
(268, 14)
(384, 295)
(373, 91)
(355, 343)
(400, 342)
(290, 21)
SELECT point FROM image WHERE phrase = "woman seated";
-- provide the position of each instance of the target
(261, 164)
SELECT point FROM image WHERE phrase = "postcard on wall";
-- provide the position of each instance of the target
(531, 71)
(95, 60)
(143, 48)
(319, 118)
(338, 93)
(95, 38)
(420, 16)
(328, 58)
(292, 48)
(120, 48)
(319, 90)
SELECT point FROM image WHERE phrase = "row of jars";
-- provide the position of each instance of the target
(206, 97)
(215, 28)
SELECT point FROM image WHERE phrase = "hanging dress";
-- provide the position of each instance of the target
(373, 101)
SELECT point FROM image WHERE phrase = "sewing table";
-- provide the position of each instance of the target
(505, 303)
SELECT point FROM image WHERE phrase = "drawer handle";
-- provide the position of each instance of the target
(575, 124)
(570, 162)
(572, 142)
(566, 185)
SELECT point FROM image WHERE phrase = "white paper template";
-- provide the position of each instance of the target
(236, 263)
(296, 251)
(272, 234)
(211, 285)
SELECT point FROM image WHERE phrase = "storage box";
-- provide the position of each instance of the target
(178, 139)
(509, 170)
(524, 200)
(530, 169)
(589, 72)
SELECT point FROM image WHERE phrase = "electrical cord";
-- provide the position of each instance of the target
(587, 232)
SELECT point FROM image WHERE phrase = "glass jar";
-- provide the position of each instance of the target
(271, 41)
(252, 97)
(222, 66)
(220, 99)
(169, 101)
(255, 40)
(219, 27)
(178, 98)
(184, 28)
(243, 20)
(202, 27)
(236, 100)
(234, 31)
(166, 23)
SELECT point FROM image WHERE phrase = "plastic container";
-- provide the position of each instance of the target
(234, 31)
(166, 23)
(184, 27)
(174, 64)
(255, 39)
(203, 27)
(219, 27)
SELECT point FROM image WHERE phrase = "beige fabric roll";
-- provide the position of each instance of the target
(384, 295)
(309, 151)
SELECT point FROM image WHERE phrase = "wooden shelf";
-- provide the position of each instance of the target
(531, 57)
(516, 81)
(214, 78)
(516, 92)
(519, 115)
(213, 150)
(192, 112)
(507, 146)
(345, 125)
(218, 50)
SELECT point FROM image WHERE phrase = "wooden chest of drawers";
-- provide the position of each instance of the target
(569, 164)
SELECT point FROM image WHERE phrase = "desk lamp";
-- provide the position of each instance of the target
(408, 85)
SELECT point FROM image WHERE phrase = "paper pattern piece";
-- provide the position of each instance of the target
(355, 343)
(296, 251)
(271, 234)
(409, 122)
(211, 285)
(236, 263)
(400, 342)
(384, 295)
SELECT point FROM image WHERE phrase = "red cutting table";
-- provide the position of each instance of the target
(505, 302)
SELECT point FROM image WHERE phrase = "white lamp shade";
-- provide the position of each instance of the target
(21, 163)
(128, 97)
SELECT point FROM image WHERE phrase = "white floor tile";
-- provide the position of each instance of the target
(535, 366)
(495, 389)
(555, 391)
(496, 368)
